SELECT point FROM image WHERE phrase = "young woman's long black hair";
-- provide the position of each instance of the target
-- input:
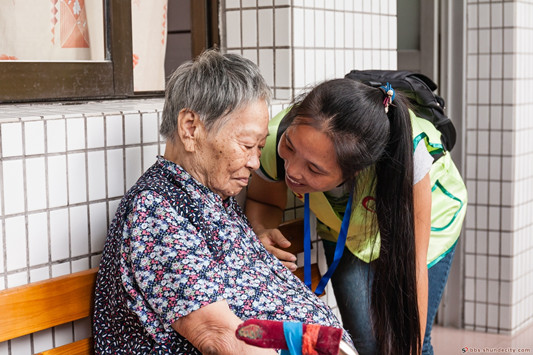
(353, 116)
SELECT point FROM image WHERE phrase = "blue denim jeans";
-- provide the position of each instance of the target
(352, 282)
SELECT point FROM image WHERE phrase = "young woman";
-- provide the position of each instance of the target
(350, 148)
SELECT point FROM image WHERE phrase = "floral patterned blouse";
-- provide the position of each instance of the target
(175, 246)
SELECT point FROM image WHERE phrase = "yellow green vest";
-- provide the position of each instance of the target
(448, 206)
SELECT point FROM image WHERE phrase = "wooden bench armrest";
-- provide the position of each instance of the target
(80, 347)
(45, 304)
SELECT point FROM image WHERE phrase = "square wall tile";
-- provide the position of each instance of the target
(481, 266)
(43, 340)
(483, 15)
(298, 27)
(469, 313)
(56, 136)
(15, 229)
(320, 65)
(266, 65)
(250, 54)
(115, 173)
(99, 225)
(283, 68)
(329, 29)
(95, 132)
(299, 68)
(42, 273)
(309, 27)
(339, 29)
(77, 181)
(13, 176)
(17, 279)
(21, 345)
(35, 183)
(38, 238)
(112, 209)
(133, 166)
(233, 29)
(80, 264)
(60, 270)
(34, 137)
(113, 130)
(233, 4)
(59, 235)
(249, 28)
(96, 175)
(481, 314)
(57, 181)
(79, 231)
(150, 130)
(319, 31)
(11, 139)
(82, 328)
(494, 291)
(481, 290)
(75, 133)
(282, 27)
(266, 27)
(494, 246)
(496, 15)
(132, 129)
(63, 334)
(149, 156)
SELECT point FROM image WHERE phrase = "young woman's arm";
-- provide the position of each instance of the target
(265, 203)
(422, 212)
(211, 329)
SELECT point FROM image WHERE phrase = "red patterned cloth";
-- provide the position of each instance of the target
(317, 339)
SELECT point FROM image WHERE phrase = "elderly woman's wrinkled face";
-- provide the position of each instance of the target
(230, 152)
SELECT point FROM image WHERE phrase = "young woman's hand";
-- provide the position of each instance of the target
(273, 240)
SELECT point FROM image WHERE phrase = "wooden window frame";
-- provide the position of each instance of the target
(36, 81)
(110, 79)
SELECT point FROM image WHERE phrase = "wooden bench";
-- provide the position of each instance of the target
(45, 304)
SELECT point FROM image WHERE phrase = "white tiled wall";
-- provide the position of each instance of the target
(499, 173)
(299, 43)
(63, 170)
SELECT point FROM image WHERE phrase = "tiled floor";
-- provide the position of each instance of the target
(458, 341)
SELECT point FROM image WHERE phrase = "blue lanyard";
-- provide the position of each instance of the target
(339, 248)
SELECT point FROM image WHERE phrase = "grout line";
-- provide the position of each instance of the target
(25, 197)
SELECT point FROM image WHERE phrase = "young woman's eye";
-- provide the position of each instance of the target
(314, 171)
(289, 147)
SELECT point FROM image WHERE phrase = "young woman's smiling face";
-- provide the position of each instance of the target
(310, 159)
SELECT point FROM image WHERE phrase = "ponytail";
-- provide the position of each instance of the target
(394, 291)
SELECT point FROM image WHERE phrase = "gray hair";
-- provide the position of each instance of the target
(213, 85)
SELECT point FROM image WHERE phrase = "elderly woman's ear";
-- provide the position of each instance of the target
(190, 128)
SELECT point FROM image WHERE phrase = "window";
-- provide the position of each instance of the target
(109, 78)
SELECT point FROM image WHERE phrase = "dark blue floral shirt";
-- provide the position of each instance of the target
(175, 246)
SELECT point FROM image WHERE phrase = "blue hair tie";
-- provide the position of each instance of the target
(390, 94)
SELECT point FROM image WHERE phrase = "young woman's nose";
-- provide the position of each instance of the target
(293, 168)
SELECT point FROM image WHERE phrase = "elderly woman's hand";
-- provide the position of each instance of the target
(273, 240)
(211, 329)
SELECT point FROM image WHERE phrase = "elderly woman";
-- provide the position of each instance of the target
(182, 268)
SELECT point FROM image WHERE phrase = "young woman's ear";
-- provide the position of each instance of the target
(189, 129)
